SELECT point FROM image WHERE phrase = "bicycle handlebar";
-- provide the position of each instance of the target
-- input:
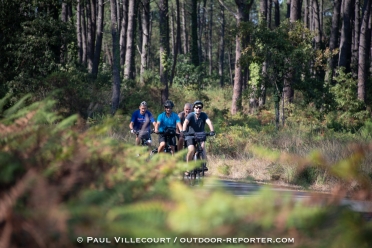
(193, 134)
(166, 133)
(138, 132)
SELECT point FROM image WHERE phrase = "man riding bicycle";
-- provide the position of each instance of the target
(182, 115)
(167, 120)
(195, 122)
(140, 123)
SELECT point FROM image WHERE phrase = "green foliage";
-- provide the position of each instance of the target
(286, 50)
(189, 74)
(67, 183)
(344, 92)
(350, 112)
(224, 170)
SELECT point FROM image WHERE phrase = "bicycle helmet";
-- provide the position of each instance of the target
(168, 103)
(198, 103)
(143, 104)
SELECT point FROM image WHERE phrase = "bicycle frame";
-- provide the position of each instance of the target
(144, 141)
(198, 155)
(167, 148)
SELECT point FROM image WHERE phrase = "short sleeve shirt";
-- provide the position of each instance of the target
(196, 125)
(182, 117)
(166, 121)
(142, 122)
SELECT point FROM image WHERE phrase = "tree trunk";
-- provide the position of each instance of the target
(364, 52)
(263, 10)
(221, 47)
(118, 16)
(306, 13)
(277, 13)
(79, 31)
(194, 34)
(295, 13)
(145, 35)
(116, 59)
(130, 51)
(288, 15)
(317, 25)
(201, 24)
(269, 15)
(91, 32)
(355, 36)
(64, 18)
(108, 54)
(333, 40)
(149, 51)
(263, 14)
(164, 47)
(210, 57)
(242, 15)
(172, 32)
(184, 31)
(231, 65)
(345, 42)
(97, 52)
(140, 31)
(84, 36)
(178, 43)
(123, 32)
(178, 39)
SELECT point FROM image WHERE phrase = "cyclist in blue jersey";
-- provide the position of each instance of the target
(167, 120)
(141, 122)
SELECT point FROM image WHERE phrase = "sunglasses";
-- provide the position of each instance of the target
(167, 107)
(198, 107)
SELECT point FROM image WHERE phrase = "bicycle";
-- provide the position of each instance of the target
(169, 134)
(145, 140)
(198, 155)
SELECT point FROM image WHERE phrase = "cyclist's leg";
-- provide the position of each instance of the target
(203, 146)
(172, 143)
(161, 143)
(181, 140)
(204, 155)
(190, 150)
(138, 140)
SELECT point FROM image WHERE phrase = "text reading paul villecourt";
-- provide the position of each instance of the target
(188, 240)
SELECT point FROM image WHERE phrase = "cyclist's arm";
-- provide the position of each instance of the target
(157, 126)
(185, 123)
(179, 127)
(132, 119)
(210, 125)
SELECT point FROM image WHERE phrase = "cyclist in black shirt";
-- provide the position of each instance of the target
(195, 123)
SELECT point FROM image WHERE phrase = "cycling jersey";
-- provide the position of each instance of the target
(142, 122)
(166, 121)
(196, 125)
(182, 117)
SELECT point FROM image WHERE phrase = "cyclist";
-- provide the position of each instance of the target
(195, 122)
(141, 122)
(165, 120)
(182, 115)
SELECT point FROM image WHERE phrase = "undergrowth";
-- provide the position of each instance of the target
(61, 179)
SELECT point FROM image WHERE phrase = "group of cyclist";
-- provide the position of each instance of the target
(190, 121)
